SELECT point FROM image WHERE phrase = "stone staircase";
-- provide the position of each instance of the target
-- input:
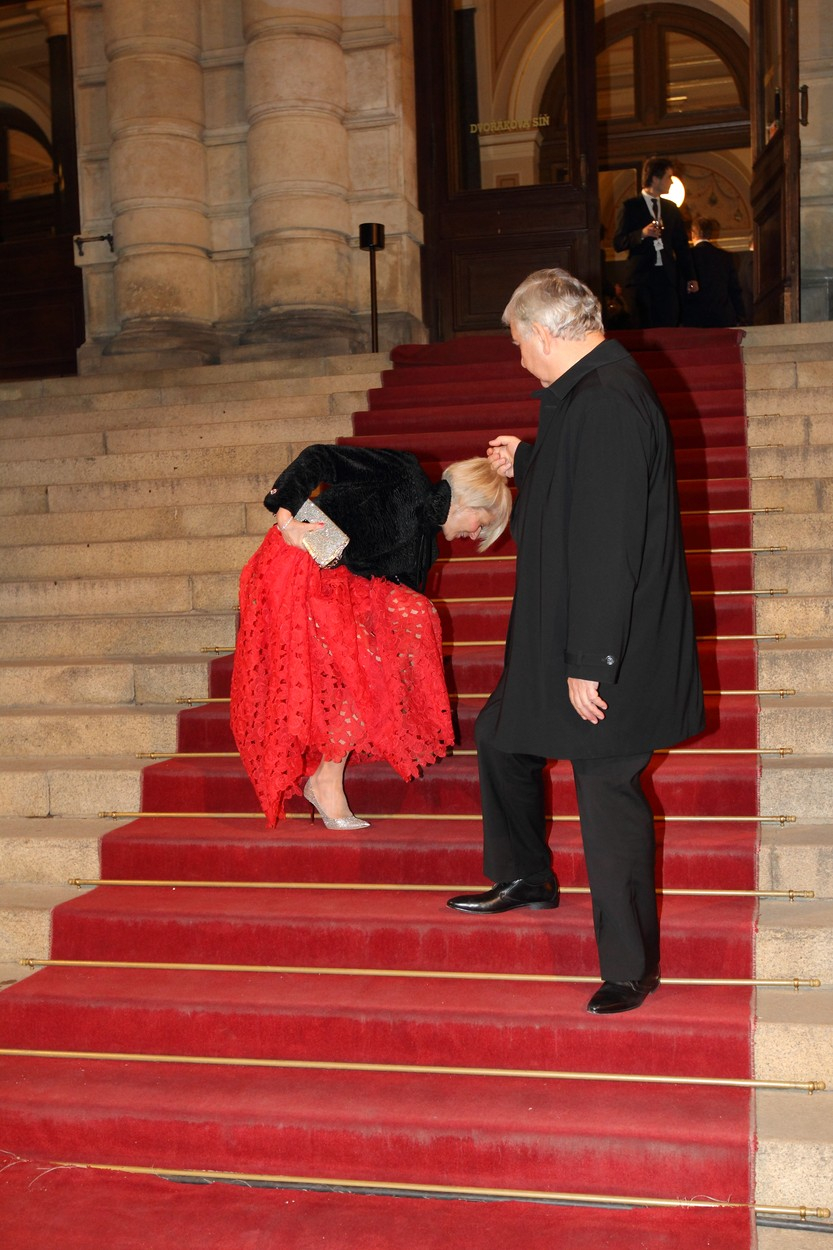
(789, 384)
(128, 507)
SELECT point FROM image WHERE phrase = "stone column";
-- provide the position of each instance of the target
(163, 279)
(378, 47)
(298, 178)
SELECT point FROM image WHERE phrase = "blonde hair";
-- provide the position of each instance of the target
(556, 300)
(476, 483)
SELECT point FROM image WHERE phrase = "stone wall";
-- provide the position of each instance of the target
(232, 148)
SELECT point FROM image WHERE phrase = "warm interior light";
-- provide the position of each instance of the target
(676, 192)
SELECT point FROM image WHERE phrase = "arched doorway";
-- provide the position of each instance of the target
(534, 121)
(671, 80)
(41, 291)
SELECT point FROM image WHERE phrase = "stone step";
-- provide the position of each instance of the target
(794, 939)
(798, 785)
(198, 404)
(801, 721)
(808, 572)
(151, 634)
(97, 731)
(803, 1236)
(794, 1159)
(809, 400)
(132, 679)
(58, 683)
(784, 375)
(105, 596)
(793, 1037)
(50, 852)
(805, 664)
(796, 616)
(129, 557)
(789, 462)
(130, 525)
(232, 458)
(51, 445)
(26, 919)
(798, 531)
(304, 370)
(67, 787)
(138, 495)
(773, 342)
(788, 424)
(237, 428)
(797, 857)
(805, 495)
(13, 972)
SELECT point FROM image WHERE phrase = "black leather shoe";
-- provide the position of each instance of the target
(508, 894)
(622, 995)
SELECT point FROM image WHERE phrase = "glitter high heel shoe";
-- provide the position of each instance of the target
(333, 822)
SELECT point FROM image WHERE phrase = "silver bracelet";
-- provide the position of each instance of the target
(283, 527)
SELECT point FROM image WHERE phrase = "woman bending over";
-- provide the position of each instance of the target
(335, 660)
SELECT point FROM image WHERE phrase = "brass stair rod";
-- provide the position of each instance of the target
(689, 551)
(770, 592)
(409, 1069)
(734, 511)
(783, 691)
(393, 887)
(397, 1187)
(466, 751)
(501, 642)
(414, 974)
(431, 816)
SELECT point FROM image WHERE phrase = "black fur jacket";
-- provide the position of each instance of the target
(382, 499)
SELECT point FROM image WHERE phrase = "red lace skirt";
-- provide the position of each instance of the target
(326, 663)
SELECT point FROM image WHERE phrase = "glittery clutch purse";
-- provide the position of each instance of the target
(325, 545)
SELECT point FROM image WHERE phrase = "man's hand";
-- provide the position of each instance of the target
(585, 698)
(501, 452)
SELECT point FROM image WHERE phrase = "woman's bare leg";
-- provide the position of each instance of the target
(328, 784)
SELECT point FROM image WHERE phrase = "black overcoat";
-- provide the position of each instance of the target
(602, 590)
(719, 301)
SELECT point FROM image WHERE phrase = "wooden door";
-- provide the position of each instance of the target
(776, 115)
(482, 235)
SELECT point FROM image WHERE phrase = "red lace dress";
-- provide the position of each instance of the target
(328, 662)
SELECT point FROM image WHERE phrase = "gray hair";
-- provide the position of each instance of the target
(556, 300)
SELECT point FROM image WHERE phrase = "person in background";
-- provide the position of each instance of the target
(651, 230)
(331, 661)
(601, 657)
(718, 301)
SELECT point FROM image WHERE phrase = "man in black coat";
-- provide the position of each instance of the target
(601, 660)
(652, 231)
(718, 301)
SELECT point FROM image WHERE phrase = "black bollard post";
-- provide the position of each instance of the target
(372, 240)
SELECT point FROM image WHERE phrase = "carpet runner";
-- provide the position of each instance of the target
(322, 1017)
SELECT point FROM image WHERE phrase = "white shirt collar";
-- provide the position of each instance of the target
(648, 197)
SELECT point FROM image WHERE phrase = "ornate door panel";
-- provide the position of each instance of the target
(504, 189)
(777, 105)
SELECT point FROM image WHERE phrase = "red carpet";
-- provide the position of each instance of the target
(76, 1209)
(533, 1128)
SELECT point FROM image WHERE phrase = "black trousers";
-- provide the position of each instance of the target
(656, 299)
(617, 830)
